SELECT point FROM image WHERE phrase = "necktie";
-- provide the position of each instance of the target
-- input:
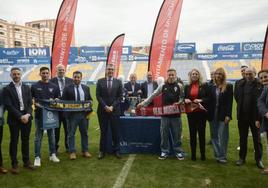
(62, 83)
(77, 93)
(109, 85)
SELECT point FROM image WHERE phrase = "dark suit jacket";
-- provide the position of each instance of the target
(203, 93)
(144, 88)
(225, 103)
(236, 92)
(128, 87)
(69, 94)
(12, 104)
(68, 81)
(255, 94)
(263, 107)
(109, 99)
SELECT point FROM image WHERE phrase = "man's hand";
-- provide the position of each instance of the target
(257, 124)
(227, 120)
(140, 105)
(197, 100)
(187, 101)
(25, 118)
(107, 109)
(266, 115)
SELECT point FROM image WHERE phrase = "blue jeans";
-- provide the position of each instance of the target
(219, 138)
(38, 138)
(78, 119)
(173, 125)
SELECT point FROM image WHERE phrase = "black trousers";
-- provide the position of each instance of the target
(243, 126)
(197, 125)
(1, 137)
(62, 121)
(105, 121)
(15, 130)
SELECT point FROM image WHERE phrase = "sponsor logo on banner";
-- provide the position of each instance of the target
(228, 56)
(40, 52)
(141, 58)
(185, 47)
(252, 46)
(250, 55)
(180, 56)
(6, 61)
(88, 51)
(206, 56)
(226, 47)
(11, 52)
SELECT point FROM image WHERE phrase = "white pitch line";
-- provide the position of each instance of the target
(124, 172)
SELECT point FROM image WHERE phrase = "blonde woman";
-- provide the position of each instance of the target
(220, 113)
(197, 92)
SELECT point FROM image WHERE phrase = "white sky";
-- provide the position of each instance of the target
(98, 22)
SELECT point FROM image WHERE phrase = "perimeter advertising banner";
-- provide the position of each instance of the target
(226, 48)
(164, 37)
(11, 53)
(63, 34)
(37, 52)
(185, 48)
(249, 47)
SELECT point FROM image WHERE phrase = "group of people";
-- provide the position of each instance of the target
(17, 98)
(215, 98)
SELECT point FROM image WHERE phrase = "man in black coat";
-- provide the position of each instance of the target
(249, 91)
(132, 87)
(109, 93)
(18, 102)
(77, 92)
(61, 81)
(148, 86)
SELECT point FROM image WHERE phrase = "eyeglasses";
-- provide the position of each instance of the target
(218, 73)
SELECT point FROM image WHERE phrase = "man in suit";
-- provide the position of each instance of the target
(61, 81)
(248, 116)
(41, 90)
(132, 87)
(109, 94)
(2, 169)
(18, 102)
(148, 86)
(77, 92)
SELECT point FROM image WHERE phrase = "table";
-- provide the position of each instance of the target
(138, 135)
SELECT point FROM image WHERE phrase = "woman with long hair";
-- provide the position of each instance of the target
(197, 92)
(220, 113)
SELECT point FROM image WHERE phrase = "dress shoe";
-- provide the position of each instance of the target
(240, 162)
(29, 166)
(72, 156)
(203, 158)
(260, 164)
(101, 155)
(117, 155)
(15, 170)
(86, 154)
(3, 170)
(193, 158)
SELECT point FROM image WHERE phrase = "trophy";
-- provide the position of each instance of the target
(133, 102)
